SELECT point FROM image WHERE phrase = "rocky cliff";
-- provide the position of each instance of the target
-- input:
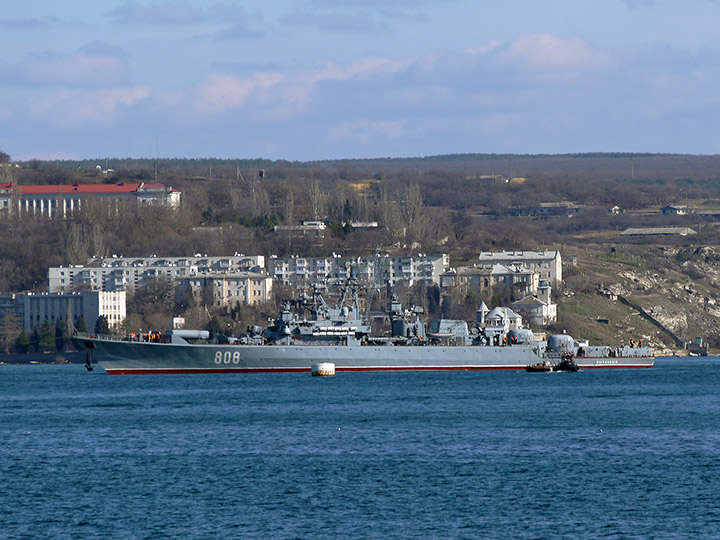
(667, 296)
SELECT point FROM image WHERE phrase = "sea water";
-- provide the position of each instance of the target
(596, 454)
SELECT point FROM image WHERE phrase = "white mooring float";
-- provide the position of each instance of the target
(324, 369)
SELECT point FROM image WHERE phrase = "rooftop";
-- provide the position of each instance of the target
(640, 231)
(97, 189)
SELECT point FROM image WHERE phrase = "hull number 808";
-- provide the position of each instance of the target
(227, 357)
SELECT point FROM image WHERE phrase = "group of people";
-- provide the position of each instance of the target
(149, 337)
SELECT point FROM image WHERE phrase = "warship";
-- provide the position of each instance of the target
(342, 336)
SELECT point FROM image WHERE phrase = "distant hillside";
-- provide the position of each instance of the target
(618, 165)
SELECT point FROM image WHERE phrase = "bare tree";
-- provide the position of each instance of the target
(336, 205)
(6, 170)
(289, 208)
(260, 199)
(391, 216)
(413, 214)
(317, 199)
(10, 329)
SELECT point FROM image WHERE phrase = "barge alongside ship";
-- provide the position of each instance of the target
(340, 335)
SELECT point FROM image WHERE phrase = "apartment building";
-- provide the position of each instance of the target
(523, 280)
(33, 309)
(127, 273)
(548, 264)
(229, 289)
(376, 271)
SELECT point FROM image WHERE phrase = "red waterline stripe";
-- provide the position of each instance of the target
(145, 371)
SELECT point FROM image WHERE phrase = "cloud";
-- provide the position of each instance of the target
(304, 86)
(163, 14)
(376, 100)
(100, 48)
(283, 94)
(510, 96)
(373, 3)
(24, 24)
(634, 4)
(367, 17)
(239, 31)
(365, 131)
(221, 92)
(360, 68)
(246, 67)
(236, 22)
(483, 49)
(363, 23)
(82, 69)
(72, 107)
(546, 51)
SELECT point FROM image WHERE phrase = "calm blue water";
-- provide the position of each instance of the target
(597, 454)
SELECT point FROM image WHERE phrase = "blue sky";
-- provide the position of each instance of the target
(330, 79)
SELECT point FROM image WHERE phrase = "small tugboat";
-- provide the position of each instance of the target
(565, 364)
(540, 367)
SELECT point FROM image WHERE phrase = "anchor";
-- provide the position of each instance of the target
(88, 362)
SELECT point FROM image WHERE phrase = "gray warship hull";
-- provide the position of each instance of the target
(118, 356)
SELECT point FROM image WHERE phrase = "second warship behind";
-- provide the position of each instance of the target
(342, 336)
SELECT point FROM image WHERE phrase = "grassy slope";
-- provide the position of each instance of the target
(678, 292)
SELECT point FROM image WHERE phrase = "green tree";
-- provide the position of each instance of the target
(101, 326)
(46, 336)
(35, 339)
(433, 299)
(236, 313)
(214, 326)
(80, 325)
(22, 343)
(208, 293)
(60, 335)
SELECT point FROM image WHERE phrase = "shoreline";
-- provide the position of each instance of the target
(72, 357)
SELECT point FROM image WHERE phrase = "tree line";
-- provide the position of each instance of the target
(47, 337)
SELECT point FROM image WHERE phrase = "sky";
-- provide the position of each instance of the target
(332, 79)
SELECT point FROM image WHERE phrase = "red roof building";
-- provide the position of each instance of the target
(54, 200)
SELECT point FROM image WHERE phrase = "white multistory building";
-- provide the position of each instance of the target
(378, 270)
(127, 273)
(229, 289)
(522, 279)
(34, 309)
(548, 264)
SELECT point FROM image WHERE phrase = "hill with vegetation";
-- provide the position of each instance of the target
(616, 287)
